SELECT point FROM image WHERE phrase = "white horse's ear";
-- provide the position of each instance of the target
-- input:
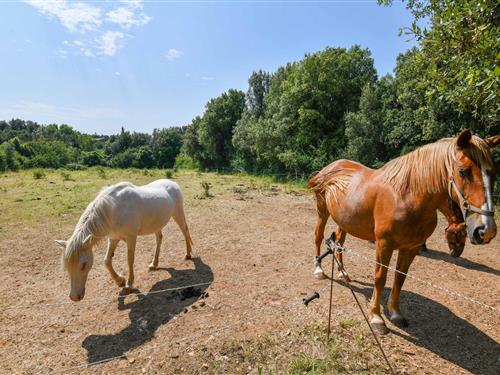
(62, 243)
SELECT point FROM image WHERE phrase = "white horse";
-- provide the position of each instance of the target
(122, 212)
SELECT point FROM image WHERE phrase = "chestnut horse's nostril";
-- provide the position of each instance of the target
(479, 234)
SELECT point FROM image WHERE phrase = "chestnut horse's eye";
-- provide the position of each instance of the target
(464, 173)
(82, 267)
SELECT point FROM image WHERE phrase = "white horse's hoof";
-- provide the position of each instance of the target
(152, 267)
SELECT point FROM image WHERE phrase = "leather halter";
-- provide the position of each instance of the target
(465, 206)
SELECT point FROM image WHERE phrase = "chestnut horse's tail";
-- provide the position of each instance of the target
(330, 181)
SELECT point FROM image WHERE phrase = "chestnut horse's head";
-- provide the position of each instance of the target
(471, 185)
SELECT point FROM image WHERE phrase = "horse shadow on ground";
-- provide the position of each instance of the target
(434, 327)
(150, 311)
(462, 262)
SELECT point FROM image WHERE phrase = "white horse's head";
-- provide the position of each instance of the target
(77, 259)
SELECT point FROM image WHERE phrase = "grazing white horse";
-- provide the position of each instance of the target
(122, 212)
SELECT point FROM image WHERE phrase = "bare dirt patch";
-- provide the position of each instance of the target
(254, 248)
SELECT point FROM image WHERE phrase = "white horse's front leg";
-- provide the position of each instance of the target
(130, 258)
(154, 263)
(108, 262)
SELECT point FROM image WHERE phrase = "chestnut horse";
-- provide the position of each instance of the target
(396, 205)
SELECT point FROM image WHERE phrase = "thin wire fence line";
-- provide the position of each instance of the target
(441, 288)
(105, 301)
(188, 338)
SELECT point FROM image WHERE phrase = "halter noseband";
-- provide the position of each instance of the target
(465, 206)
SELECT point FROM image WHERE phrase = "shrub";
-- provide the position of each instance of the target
(75, 167)
(92, 158)
(206, 189)
(3, 161)
(38, 174)
(185, 162)
(101, 172)
(169, 173)
(66, 176)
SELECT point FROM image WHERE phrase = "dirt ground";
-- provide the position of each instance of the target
(253, 255)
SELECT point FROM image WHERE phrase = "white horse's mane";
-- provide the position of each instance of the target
(93, 222)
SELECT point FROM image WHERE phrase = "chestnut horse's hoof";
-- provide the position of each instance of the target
(398, 320)
(319, 274)
(120, 281)
(456, 253)
(187, 257)
(344, 276)
(380, 328)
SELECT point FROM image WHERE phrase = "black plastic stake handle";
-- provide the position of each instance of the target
(310, 298)
(325, 254)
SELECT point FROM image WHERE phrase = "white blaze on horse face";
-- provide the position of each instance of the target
(490, 228)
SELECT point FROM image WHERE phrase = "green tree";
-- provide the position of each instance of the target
(258, 87)
(303, 125)
(216, 129)
(366, 129)
(460, 56)
(166, 145)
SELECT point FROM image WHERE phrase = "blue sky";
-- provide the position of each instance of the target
(100, 65)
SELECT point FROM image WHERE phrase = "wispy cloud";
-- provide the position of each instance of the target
(96, 22)
(76, 17)
(207, 78)
(126, 17)
(173, 54)
(109, 42)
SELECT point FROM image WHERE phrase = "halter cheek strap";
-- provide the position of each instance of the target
(465, 206)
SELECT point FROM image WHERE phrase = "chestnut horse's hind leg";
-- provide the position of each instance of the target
(405, 258)
(340, 235)
(319, 235)
(154, 263)
(383, 256)
(108, 262)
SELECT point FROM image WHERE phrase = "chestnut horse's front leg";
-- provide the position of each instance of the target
(405, 258)
(383, 256)
(131, 241)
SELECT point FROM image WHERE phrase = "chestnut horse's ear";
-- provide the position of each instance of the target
(62, 243)
(464, 138)
(493, 141)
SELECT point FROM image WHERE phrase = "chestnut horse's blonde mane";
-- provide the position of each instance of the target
(93, 222)
(428, 168)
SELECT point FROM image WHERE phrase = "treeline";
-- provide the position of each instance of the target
(329, 105)
(26, 144)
